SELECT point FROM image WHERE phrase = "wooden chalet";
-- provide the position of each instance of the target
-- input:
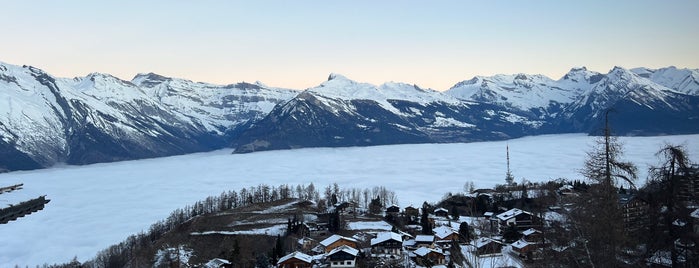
(295, 260)
(218, 263)
(441, 212)
(487, 246)
(445, 233)
(523, 247)
(411, 211)
(523, 220)
(342, 257)
(386, 243)
(429, 256)
(532, 235)
(335, 241)
(424, 241)
(393, 210)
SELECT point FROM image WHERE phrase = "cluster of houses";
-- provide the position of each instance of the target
(405, 249)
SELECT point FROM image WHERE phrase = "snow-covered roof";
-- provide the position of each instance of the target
(530, 231)
(216, 263)
(304, 240)
(511, 214)
(347, 249)
(334, 238)
(520, 244)
(441, 209)
(424, 238)
(423, 251)
(695, 214)
(443, 231)
(385, 236)
(296, 255)
(488, 214)
(484, 241)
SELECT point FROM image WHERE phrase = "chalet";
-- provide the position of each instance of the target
(305, 244)
(523, 247)
(393, 210)
(488, 215)
(523, 220)
(386, 243)
(532, 235)
(429, 256)
(634, 213)
(411, 211)
(347, 208)
(441, 212)
(295, 260)
(335, 241)
(424, 241)
(218, 263)
(342, 257)
(445, 233)
(487, 246)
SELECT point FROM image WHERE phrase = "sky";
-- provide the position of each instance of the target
(296, 44)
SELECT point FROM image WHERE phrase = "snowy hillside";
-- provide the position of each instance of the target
(100, 118)
(94, 206)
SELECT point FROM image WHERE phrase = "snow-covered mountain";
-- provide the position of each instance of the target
(100, 118)
(342, 112)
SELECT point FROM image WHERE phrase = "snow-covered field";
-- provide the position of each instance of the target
(98, 205)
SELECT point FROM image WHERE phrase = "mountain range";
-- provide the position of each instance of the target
(45, 120)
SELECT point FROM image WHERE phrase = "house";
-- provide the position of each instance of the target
(532, 235)
(429, 256)
(634, 213)
(389, 243)
(424, 241)
(393, 210)
(335, 241)
(488, 215)
(305, 244)
(523, 247)
(441, 212)
(695, 219)
(342, 257)
(445, 233)
(295, 260)
(487, 246)
(218, 263)
(412, 212)
(521, 219)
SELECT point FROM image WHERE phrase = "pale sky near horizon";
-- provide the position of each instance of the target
(296, 44)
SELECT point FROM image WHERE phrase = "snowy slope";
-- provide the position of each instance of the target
(218, 108)
(342, 112)
(100, 118)
(681, 80)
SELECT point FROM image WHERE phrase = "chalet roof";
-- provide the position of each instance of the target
(483, 241)
(423, 251)
(488, 214)
(345, 248)
(511, 214)
(305, 239)
(296, 255)
(385, 236)
(334, 238)
(424, 238)
(695, 214)
(215, 263)
(520, 244)
(530, 231)
(442, 232)
(441, 209)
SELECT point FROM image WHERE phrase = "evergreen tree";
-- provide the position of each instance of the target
(464, 231)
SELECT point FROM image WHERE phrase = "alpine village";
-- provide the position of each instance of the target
(608, 219)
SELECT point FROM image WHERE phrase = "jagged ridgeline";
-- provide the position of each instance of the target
(100, 118)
